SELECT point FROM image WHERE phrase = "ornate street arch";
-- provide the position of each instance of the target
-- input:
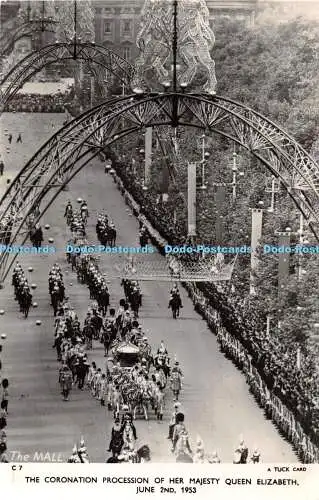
(73, 146)
(26, 29)
(88, 52)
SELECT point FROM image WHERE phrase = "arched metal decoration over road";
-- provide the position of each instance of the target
(88, 52)
(71, 148)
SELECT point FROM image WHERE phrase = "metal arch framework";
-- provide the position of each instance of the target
(73, 146)
(26, 29)
(87, 51)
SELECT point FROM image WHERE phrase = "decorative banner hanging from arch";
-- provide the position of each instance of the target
(191, 199)
(256, 232)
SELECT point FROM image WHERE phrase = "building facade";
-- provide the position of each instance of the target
(117, 22)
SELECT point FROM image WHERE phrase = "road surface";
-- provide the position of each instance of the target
(215, 398)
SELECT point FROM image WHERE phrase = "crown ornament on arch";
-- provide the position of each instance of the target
(194, 39)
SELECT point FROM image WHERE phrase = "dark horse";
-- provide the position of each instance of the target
(175, 304)
(81, 370)
(143, 454)
(106, 339)
(144, 238)
(26, 301)
(111, 236)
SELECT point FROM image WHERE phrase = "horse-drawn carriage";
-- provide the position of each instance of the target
(135, 396)
(127, 354)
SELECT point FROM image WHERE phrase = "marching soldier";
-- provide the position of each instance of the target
(74, 458)
(160, 401)
(173, 420)
(255, 458)
(68, 213)
(102, 389)
(241, 453)
(199, 456)
(65, 379)
(176, 380)
(179, 428)
(82, 452)
(36, 236)
(95, 382)
(84, 212)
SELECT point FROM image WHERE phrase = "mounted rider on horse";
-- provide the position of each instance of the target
(175, 301)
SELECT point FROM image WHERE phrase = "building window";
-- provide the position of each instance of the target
(107, 27)
(127, 27)
(127, 53)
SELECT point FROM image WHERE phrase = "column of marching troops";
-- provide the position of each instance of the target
(23, 295)
(126, 391)
(22, 291)
(101, 384)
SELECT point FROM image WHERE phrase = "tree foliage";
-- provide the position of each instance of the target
(272, 68)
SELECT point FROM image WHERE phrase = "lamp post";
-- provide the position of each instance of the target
(283, 259)
(141, 159)
(205, 155)
(300, 189)
(203, 160)
(28, 11)
(75, 30)
(133, 166)
(91, 91)
(148, 138)
(279, 311)
(268, 320)
(234, 169)
(273, 190)
(301, 241)
(298, 358)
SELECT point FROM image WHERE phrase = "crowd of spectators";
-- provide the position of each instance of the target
(274, 357)
(37, 103)
(3, 414)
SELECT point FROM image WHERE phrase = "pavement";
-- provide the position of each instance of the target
(215, 396)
